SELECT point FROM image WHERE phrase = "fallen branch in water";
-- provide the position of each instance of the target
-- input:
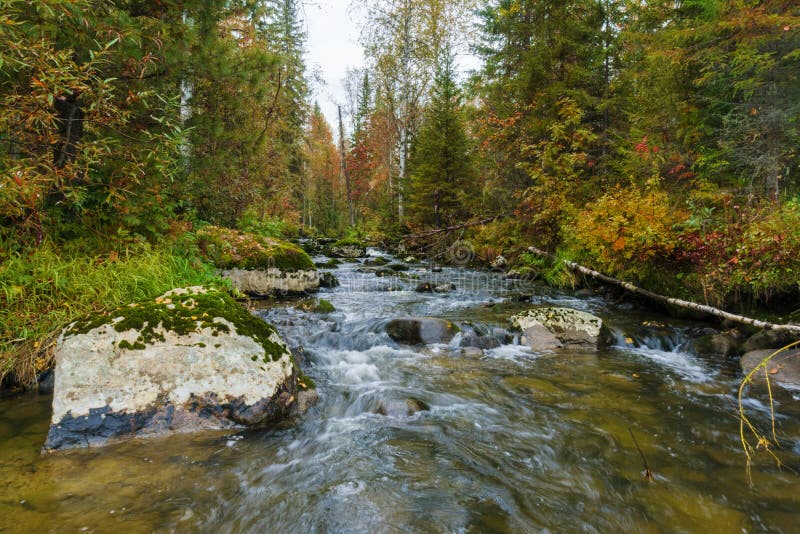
(456, 227)
(702, 308)
(648, 474)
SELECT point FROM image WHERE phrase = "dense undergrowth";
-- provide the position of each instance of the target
(726, 254)
(43, 289)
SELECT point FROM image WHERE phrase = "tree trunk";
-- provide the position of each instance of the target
(344, 171)
(709, 310)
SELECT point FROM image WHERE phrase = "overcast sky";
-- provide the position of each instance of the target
(332, 47)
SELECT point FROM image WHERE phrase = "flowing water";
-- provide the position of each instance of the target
(507, 441)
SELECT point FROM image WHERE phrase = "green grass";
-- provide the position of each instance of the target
(43, 290)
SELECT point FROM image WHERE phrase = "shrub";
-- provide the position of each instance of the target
(625, 232)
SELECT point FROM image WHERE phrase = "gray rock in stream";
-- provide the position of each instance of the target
(428, 287)
(783, 369)
(328, 280)
(421, 330)
(399, 408)
(766, 339)
(554, 328)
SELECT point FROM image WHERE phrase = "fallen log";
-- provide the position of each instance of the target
(702, 308)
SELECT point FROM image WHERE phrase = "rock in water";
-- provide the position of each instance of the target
(429, 287)
(500, 262)
(783, 369)
(192, 359)
(328, 280)
(256, 265)
(553, 328)
(421, 330)
(347, 248)
(717, 344)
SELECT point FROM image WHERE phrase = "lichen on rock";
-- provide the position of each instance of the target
(552, 328)
(347, 248)
(191, 359)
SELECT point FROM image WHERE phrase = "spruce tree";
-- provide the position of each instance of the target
(443, 178)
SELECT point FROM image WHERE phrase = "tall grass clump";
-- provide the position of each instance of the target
(44, 289)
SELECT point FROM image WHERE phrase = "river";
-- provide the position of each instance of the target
(507, 441)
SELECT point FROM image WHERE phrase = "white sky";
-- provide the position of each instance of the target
(332, 47)
(332, 31)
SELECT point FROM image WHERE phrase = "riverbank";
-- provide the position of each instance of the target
(523, 440)
(44, 289)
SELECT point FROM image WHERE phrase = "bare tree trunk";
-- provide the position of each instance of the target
(344, 171)
(709, 310)
(401, 172)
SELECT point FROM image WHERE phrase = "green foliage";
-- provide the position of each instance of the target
(83, 142)
(274, 227)
(443, 179)
(43, 289)
(230, 249)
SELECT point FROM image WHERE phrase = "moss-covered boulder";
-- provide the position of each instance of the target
(347, 248)
(189, 360)
(258, 266)
(553, 328)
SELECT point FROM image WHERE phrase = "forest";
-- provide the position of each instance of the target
(527, 266)
(654, 141)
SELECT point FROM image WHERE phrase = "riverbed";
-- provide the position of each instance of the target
(433, 439)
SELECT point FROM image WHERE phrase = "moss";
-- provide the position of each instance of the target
(330, 264)
(349, 242)
(304, 381)
(324, 306)
(377, 261)
(316, 306)
(231, 249)
(183, 314)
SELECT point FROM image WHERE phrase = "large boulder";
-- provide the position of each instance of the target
(192, 359)
(256, 265)
(553, 328)
(347, 248)
(421, 330)
(717, 344)
(783, 369)
(767, 339)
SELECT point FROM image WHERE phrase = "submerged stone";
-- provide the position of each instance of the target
(421, 330)
(192, 359)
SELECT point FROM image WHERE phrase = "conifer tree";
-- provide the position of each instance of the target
(443, 178)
